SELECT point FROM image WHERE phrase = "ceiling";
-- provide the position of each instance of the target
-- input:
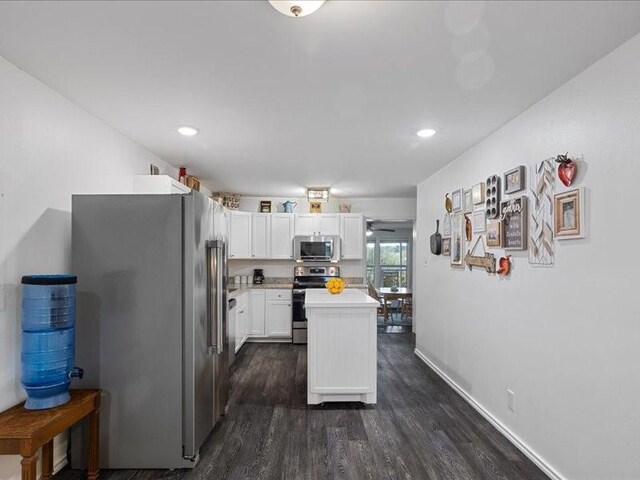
(332, 99)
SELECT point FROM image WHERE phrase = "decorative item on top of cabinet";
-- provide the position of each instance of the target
(457, 239)
(492, 199)
(182, 175)
(569, 214)
(446, 225)
(477, 193)
(467, 201)
(436, 240)
(488, 261)
(514, 223)
(345, 208)
(456, 200)
(229, 200)
(315, 207)
(494, 233)
(265, 206)
(504, 266)
(447, 203)
(289, 206)
(467, 228)
(514, 180)
(446, 246)
(566, 169)
(541, 186)
(194, 183)
(153, 169)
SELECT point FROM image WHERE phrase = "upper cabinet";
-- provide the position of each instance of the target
(260, 235)
(317, 224)
(239, 234)
(282, 236)
(352, 235)
(270, 235)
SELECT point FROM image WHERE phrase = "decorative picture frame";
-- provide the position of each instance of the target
(446, 246)
(446, 225)
(457, 240)
(477, 192)
(569, 214)
(265, 206)
(494, 233)
(456, 200)
(514, 223)
(479, 222)
(467, 201)
(315, 207)
(514, 180)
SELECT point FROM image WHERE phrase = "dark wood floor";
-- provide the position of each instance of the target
(420, 428)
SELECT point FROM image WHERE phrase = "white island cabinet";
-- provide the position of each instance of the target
(342, 349)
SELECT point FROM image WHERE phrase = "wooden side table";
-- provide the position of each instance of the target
(23, 432)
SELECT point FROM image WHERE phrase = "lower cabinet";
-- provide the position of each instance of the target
(241, 320)
(270, 314)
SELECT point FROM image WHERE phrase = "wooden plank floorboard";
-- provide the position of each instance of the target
(420, 428)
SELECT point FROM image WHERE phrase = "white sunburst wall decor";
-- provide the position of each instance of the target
(541, 186)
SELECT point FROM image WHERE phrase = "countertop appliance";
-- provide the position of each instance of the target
(152, 329)
(316, 248)
(303, 278)
(258, 276)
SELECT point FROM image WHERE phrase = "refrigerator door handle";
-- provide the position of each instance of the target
(216, 279)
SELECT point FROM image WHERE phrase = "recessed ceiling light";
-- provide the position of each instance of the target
(188, 131)
(426, 132)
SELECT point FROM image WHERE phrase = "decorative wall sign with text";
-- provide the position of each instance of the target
(514, 223)
(541, 185)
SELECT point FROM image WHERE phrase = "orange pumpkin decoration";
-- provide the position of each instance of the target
(505, 266)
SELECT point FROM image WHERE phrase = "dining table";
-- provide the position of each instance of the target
(388, 294)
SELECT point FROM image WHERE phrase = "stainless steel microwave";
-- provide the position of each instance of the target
(316, 249)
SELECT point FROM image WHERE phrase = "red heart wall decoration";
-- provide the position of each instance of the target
(566, 169)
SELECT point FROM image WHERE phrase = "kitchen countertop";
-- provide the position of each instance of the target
(235, 290)
(321, 298)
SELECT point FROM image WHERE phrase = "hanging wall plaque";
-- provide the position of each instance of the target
(514, 223)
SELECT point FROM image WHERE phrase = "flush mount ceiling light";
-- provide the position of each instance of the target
(188, 131)
(296, 8)
(318, 194)
(426, 132)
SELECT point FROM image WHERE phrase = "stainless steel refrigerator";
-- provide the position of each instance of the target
(151, 324)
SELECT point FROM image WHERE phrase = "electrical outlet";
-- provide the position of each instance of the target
(511, 400)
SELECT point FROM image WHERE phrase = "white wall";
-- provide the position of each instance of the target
(374, 208)
(49, 149)
(565, 339)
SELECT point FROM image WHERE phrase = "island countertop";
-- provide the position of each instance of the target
(350, 298)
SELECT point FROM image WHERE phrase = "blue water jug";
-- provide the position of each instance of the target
(48, 339)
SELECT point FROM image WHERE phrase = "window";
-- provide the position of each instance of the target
(388, 262)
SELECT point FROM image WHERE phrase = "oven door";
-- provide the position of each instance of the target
(297, 313)
(315, 249)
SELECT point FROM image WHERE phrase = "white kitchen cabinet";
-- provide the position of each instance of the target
(317, 224)
(257, 309)
(241, 319)
(239, 234)
(282, 236)
(260, 235)
(279, 318)
(352, 235)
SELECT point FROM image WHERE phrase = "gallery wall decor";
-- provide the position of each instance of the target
(569, 210)
(447, 203)
(492, 199)
(446, 225)
(467, 201)
(456, 200)
(487, 261)
(541, 187)
(514, 180)
(468, 229)
(494, 233)
(479, 222)
(478, 193)
(436, 240)
(446, 247)
(457, 239)
(514, 223)
(504, 266)
(567, 169)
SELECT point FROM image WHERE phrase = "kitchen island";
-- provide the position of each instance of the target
(342, 346)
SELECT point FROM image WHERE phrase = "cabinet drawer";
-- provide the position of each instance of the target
(278, 294)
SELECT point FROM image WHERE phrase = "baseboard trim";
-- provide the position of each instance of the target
(512, 437)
